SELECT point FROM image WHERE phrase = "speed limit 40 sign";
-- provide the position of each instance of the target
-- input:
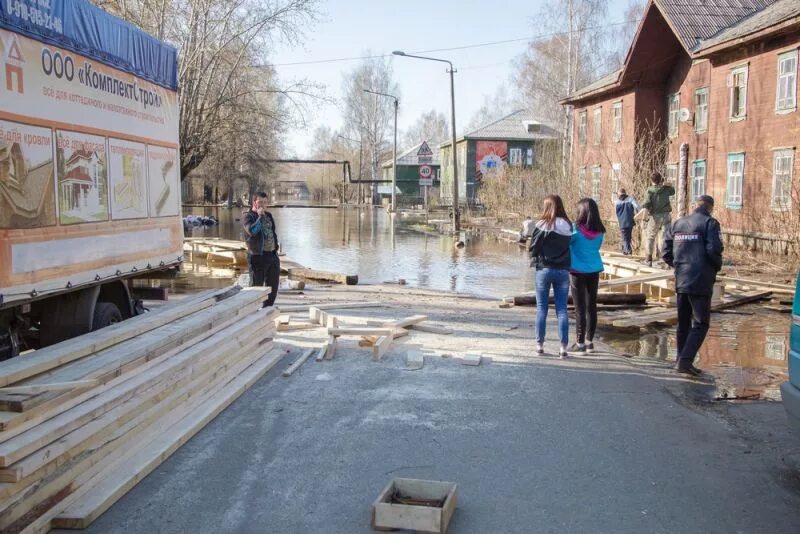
(425, 175)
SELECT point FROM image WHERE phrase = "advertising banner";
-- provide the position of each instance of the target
(128, 181)
(491, 158)
(162, 165)
(82, 177)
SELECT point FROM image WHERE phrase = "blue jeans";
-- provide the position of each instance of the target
(559, 279)
(627, 234)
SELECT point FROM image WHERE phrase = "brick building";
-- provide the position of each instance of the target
(716, 81)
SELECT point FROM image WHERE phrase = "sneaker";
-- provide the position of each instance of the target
(578, 348)
(539, 348)
(590, 347)
(562, 352)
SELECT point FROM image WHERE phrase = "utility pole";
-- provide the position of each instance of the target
(360, 156)
(451, 70)
(394, 150)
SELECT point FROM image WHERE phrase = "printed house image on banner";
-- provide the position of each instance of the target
(488, 152)
(82, 178)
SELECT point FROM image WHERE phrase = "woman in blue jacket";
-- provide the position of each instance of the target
(585, 268)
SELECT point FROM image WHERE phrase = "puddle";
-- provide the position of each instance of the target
(745, 350)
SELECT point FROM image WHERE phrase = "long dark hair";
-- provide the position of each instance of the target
(589, 216)
(553, 208)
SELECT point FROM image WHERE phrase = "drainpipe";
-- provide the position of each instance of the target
(683, 173)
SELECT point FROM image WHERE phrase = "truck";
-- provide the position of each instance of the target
(89, 169)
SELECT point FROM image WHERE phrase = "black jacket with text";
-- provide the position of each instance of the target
(693, 246)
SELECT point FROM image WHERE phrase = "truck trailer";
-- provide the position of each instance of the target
(89, 168)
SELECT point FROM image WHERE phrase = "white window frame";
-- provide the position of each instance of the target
(787, 79)
(529, 157)
(738, 93)
(616, 115)
(583, 134)
(698, 179)
(515, 157)
(582, 180)
(782, 192)
(673, 113)
(701, 110)
(671, 173)
(597, 125)
(596, 179)
(615, 177)
(734, 185)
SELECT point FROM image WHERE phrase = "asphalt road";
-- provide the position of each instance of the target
(533, 448)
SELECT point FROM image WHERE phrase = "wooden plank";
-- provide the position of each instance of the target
(54, 477)
(326, 276)
(298, 362)
(637, 279)
(782, 289)
(328, 306)
(313, 314)
(95, 430)
(602, 298)
(116, 361)
(323, 350)
(138, 386)
(671, 315)
(470, 359)
(415, 359)
(408, 321)
(55, 386)
(330, 348)
(365, 331)
(82, 511)
(42, 360)
(14, 424)
(431, 329)
(381, 346)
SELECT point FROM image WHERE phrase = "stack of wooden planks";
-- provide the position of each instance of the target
(81, 422)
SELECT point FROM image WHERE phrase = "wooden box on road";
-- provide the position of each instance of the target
(417, 505)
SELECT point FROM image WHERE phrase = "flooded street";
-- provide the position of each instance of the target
(745, 349)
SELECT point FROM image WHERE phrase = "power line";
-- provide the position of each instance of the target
(453, 48)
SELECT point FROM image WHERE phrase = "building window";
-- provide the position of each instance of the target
(783, 160)
(616, 174)
(617, 122)
(597, 127)
(733, 191)
(671, 176)
(582, 180)
(738, 85)
(701, 109)
(673, 109)
(698, 178)
(515, 156)
(529, 157)
(582, 127)
(787, 82)
(596, 183)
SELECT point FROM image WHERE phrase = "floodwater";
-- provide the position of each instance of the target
(745, 349)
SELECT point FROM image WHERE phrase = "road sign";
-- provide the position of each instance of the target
(425, 175)
(424, 154)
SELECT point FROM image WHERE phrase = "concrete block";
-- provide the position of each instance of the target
(470, 359)
(414, 359)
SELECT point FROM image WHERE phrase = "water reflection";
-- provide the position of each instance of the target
(745, 351)
(381, 248)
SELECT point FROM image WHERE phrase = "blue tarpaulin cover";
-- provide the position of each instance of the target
(85, 29)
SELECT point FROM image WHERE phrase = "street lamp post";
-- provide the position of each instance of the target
(456, 213)
(394, 150)
(360, 151)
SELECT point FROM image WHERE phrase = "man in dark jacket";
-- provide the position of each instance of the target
(693, 247)
(261, 238)
(626, 207)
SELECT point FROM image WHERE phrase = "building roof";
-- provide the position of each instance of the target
(702, 25)
(518, 125)
(695, 21)
(780, 11)
(409, 157)
(78, 174)
(80, 154)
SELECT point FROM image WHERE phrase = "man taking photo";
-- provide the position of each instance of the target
(262, 247)
(693, 247)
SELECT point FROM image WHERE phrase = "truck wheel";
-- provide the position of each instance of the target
(105, 314)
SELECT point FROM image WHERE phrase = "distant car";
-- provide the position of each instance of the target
(790, 391)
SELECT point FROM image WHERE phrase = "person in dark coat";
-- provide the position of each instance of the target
(261, 238)
(626, 207)
(693, 247)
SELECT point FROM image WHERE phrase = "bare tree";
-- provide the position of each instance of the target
(494, 107)
(223, 45)
(432, 126)
(370, 116)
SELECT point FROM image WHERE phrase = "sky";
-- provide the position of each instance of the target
(352, 28)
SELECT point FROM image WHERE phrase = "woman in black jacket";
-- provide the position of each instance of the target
(550, 240)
